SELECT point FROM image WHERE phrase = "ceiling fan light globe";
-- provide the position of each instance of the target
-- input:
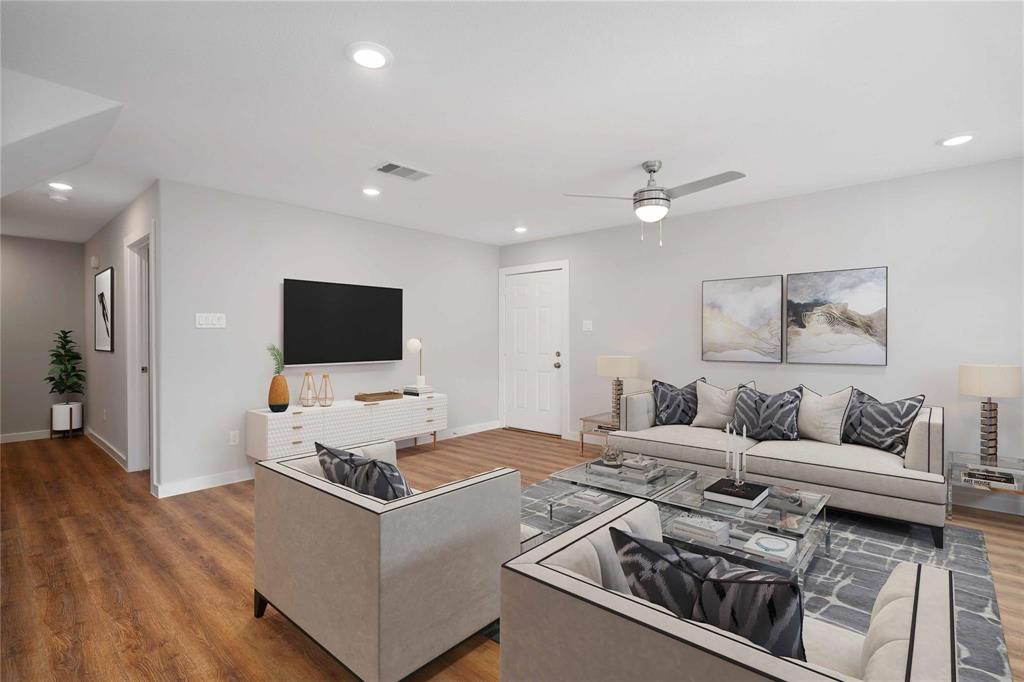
(651, 213)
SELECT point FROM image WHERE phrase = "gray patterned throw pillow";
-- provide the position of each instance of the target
(885, 426)
(767, 417)
(674, 405)
(374, 477)
(764, 607)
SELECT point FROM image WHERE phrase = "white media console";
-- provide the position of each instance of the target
(269, 435)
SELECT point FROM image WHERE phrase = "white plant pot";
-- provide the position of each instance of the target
(66, 417)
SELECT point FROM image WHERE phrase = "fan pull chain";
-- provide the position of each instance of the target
(660, 243)
(641, 230)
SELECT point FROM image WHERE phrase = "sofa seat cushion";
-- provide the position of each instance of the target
(663, 441)
(833, 647)
(853, 467)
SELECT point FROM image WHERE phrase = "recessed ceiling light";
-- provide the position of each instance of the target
(956, 140)
(371, 191)
(58, 197)
(520, 229)
(61, 186)
(369, 55)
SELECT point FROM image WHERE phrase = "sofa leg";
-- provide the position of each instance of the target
(937, 533)
(259, 604)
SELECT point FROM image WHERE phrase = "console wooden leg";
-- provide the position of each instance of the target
(937, 534)
(259, 604)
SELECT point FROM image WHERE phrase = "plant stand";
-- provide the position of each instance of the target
(66, 418)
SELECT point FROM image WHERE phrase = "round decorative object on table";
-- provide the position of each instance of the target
(772, 544)
(278, 398)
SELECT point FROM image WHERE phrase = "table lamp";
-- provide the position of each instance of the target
(617, 367)
(990, 381)
(416, 346)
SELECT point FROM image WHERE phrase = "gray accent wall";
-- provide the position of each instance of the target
(40, 292)
(226, 253)
(106, 416)
(952, 241)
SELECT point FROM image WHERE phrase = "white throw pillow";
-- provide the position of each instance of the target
(821, 417)
(715, 406)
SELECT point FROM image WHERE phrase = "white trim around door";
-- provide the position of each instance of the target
(138, 256)
(566, 357)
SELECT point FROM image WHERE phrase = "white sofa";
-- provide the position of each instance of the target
(385, 587)
(858, 478)
(565, 617)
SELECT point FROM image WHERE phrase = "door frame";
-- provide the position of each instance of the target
(136, 418)
(566, 359)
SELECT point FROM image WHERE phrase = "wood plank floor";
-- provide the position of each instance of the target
(101, 581)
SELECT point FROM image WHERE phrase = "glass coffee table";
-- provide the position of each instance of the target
(593, 474)
(794, 520)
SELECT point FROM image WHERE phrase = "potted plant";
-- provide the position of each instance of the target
(66, 378)
(277, 399)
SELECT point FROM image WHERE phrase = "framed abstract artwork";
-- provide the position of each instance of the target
(103, 305)
(837, 317)
(741, 319)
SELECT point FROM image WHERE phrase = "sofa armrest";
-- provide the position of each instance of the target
(925, 445)
(637, 410)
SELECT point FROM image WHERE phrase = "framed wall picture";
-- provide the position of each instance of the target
(103, 304)
(741, 319)
(837, 317)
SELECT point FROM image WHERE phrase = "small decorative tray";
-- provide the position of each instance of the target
(380, 395)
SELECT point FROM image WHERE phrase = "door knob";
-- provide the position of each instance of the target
(558, 365)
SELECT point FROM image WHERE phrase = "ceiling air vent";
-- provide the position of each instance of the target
(389, 168)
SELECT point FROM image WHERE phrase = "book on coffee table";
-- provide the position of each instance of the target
(744, 494)
(701, 528)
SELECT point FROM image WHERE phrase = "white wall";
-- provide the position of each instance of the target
(105, 416)
(952, 241)
(41, 293)
(227, 253)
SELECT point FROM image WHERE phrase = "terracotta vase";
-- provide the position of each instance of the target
(277, 399)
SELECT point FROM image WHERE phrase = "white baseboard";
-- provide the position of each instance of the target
(114, 453)
(587, 438)
(191, 485)
(23, 435)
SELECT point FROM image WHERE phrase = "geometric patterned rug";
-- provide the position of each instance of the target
(841, 587)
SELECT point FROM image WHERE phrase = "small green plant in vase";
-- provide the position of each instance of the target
(278, 398)
(66, 378)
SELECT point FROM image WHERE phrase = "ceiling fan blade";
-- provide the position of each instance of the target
(596, 196)
(706, 183)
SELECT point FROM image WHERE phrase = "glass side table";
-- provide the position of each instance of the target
(1005, 474)
(597, 425)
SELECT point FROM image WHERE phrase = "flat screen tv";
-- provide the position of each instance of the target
(327, 323)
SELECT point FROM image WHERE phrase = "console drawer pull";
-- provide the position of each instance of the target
(429, 409)
(429, 420)
(297, 427)
(296, 442)
(299, 412)
(430, 397)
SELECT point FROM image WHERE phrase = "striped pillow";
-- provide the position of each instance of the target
(674, 405)
(373, 477)
(763, 607)
(885, 426)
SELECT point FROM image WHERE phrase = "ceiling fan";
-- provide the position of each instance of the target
(651, 203)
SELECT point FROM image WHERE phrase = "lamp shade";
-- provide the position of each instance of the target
(414, 345)
(990, 381)
(617, 366)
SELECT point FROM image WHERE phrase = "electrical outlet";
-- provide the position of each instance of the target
(232, 437)
(211, 321)
(588, 325)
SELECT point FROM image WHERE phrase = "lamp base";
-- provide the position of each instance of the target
(616, 400)
(989, 444)
(421, 380)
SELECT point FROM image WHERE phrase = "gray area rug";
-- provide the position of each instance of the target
(841, 587)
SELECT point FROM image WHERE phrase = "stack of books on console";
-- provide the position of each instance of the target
(701, 528)
(413, 389)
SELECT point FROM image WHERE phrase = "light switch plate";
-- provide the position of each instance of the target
(211, 321)
(588, 325)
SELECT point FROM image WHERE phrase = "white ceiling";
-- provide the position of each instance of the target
(511, 104)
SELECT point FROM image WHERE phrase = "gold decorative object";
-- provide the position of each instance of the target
(325, 396)
(616, 367)
(307, 394)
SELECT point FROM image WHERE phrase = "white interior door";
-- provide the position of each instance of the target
(143, 389)
(534, 350)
